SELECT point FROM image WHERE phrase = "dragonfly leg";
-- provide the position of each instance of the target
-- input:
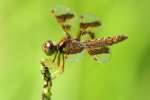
(61, 67)
(58, 61)
(60, 70)
(55, 56)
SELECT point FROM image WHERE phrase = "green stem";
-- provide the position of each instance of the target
(46, 92)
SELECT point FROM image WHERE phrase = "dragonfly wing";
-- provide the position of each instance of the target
(87, 25)
(64, 17)
(74, 57)
(101, 54)
(102, 58)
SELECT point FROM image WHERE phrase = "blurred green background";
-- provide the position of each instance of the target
(26, 24)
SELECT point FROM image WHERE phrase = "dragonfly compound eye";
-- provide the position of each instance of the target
(48, 47)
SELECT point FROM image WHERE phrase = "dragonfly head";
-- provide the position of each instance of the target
(49, 48)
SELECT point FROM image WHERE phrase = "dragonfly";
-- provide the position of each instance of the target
(70, 45)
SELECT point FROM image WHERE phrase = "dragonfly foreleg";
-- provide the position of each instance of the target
(58, 61)
(55, 56)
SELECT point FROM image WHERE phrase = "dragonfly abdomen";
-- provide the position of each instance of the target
(108, 41)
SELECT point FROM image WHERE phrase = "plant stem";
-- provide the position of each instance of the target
(46, 92)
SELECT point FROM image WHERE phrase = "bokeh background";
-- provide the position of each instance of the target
(26, 24)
